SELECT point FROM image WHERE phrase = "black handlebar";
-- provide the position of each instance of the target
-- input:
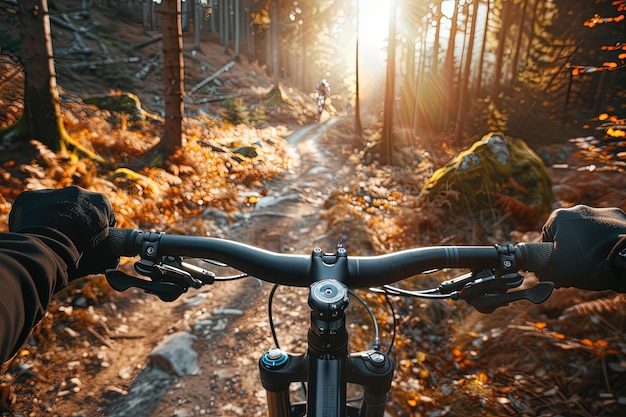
(353, 271)
(495, 270)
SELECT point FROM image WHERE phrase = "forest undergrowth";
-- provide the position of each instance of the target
(566, 356)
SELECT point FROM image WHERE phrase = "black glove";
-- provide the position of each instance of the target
(83, 216)
(588, 250)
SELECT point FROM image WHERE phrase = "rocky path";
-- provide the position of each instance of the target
(228, 321)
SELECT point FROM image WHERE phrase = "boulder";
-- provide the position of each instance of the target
(122, 102)
(497, 174)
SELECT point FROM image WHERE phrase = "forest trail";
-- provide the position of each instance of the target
(230, 319)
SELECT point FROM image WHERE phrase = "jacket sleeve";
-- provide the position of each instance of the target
(33, 266)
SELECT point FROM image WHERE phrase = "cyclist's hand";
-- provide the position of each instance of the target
(83, 216)
(587, 245)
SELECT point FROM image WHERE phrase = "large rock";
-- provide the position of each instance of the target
(122, 102)
(497, 173)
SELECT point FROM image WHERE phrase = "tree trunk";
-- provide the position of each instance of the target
(531, 31)
(304, 74)
(407, 65)
(518, 42)
(173, 76)
(387, 136)
(435, 63)
(196, 25)
(247, 27)
(226, 28)
(237, 31)
(274, 31)
(145, 15)
(483, 48)
(450, 95)
(358, 128)
(419, 117)
(42, 111)
(464, 82)
(504, 28)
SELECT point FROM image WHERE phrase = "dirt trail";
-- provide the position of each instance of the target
(231, 320)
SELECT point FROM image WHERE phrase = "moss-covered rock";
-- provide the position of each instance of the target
(499, 174)
(122, 102)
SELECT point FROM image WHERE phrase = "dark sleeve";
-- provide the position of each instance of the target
(32, 268)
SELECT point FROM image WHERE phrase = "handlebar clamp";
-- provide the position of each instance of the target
(169, 279)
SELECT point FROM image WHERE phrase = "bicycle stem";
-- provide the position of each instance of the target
(327, 366)
(328, 348)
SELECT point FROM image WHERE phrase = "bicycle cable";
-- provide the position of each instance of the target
(376, 344)
(269, 312)
(393, 323)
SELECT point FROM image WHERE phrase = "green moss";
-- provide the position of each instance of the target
(494, 172)
(236, 111)
(121, 102)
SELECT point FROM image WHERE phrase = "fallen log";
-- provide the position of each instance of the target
(147, 68)
(147, 42)
(81, 66)
(215, 98)
(207, 80)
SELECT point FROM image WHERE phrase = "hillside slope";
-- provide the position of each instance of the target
(100, 50)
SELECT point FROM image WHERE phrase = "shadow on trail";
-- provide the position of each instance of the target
(291, 208)
(229, 319)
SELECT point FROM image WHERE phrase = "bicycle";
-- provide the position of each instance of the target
(328, 367)
(321, 105)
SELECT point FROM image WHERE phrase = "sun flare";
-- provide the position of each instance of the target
(373, 23)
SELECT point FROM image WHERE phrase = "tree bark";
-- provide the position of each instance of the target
(504, 28)
(274, 31)
(247, 27)
(450, 95)
(518, 42)
(390, 94)
(196, 25)
(173, 76)
(358, 128)
(464, 82)
(237, 27)
(483, 49)
(42, 111)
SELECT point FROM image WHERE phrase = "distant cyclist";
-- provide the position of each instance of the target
(322, 93)
(323, 88)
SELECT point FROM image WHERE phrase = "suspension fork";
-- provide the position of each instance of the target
(374, 371)
(326, 367)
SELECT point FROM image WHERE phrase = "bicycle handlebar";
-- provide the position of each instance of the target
(495, 270)
(354, 271)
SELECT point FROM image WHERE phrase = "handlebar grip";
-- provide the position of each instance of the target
(536, 256)
(122, 241)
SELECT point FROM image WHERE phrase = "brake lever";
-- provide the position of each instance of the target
(171, 270)
(487, 282)
(487, 303)
(489, 292)
(168, 279)
(166, 291)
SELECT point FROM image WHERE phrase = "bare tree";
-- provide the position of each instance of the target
(518, 42)
(465, 79)
(504, 28)
(42, 111)
(390, 93)
(450, 95)
(483, 47)
(274, 34)
(173, 75)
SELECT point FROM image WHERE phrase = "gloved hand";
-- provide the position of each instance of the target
(587, 248)
(83, 216)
